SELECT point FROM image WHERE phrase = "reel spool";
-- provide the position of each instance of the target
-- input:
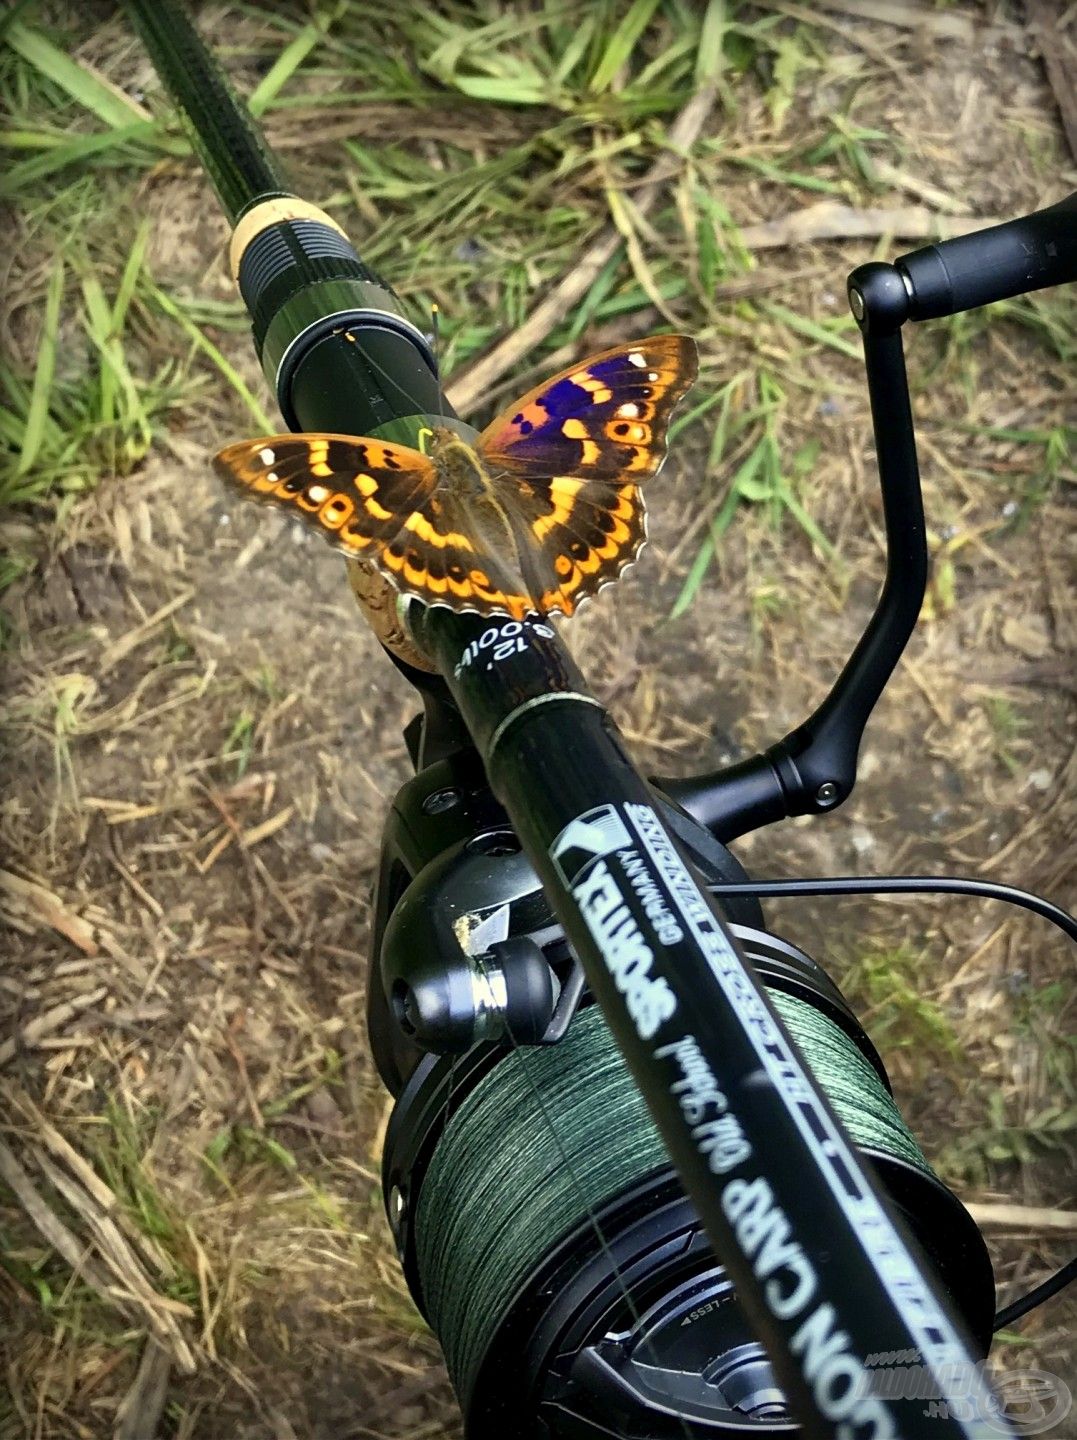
(553, 1325)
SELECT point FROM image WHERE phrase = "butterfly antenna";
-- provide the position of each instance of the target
(435, 326)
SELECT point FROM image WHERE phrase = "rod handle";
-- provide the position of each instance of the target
(1020, 255)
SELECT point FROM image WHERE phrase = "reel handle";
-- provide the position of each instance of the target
(1025, 254)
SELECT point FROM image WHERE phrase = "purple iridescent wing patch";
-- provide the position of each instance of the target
(605, 419)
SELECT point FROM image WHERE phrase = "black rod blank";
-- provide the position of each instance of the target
(225, 138)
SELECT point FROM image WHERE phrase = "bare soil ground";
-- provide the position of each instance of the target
(201, 740)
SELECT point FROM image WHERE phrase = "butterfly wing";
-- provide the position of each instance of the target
(604, 419)
(358, 493)
(586, 534)
(566, 462)
(568, 459)
(457, 554)
(379, 501)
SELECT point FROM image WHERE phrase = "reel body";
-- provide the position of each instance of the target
(542, 1230)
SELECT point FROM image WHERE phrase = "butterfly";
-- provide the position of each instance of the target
(539, 512)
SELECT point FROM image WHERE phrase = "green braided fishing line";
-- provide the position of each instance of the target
(850, 1082)
(502, 1189)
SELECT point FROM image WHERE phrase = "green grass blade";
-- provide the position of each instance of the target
(721, 430)
(123, 139)
(621, 44)
(6, 21)
(288, 62)
(604, 282)
(813, 331)
(13, 387)
(787, 177)
(710, 54)
(722, 396)
(107, 104)
(575, 49)
(707, 552)
(99, 325)
(37, 415)
(119, 399)
(741, 482)
(690, 417)
(129, 278)
(806, 523)
(172, 310)
(12, 428)
(694, 579)
(499, 91)
(30, 140)
(647, 84)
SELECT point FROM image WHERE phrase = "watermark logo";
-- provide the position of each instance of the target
(1031, 1401)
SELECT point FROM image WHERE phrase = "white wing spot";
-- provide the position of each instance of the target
(629, 411)
(652, 375)
(316, 494)
(273, 476)
(636, 359)
(267, 456)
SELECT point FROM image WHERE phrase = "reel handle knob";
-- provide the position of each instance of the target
(530, 989)
(449, 1004)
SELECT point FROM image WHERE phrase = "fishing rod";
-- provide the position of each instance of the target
(547, 943)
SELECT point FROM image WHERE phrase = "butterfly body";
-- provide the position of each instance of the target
(541, 511)
(458, 465)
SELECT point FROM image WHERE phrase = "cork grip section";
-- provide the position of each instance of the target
(377, 600)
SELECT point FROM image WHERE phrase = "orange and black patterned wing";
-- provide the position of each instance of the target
(358, 493)
(604, 419)
(569, 457)
(380, 502)
(576, 535)
(456, 554)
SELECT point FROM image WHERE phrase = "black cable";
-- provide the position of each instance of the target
(932, 885)
(904, 885)
(1058, 1281)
